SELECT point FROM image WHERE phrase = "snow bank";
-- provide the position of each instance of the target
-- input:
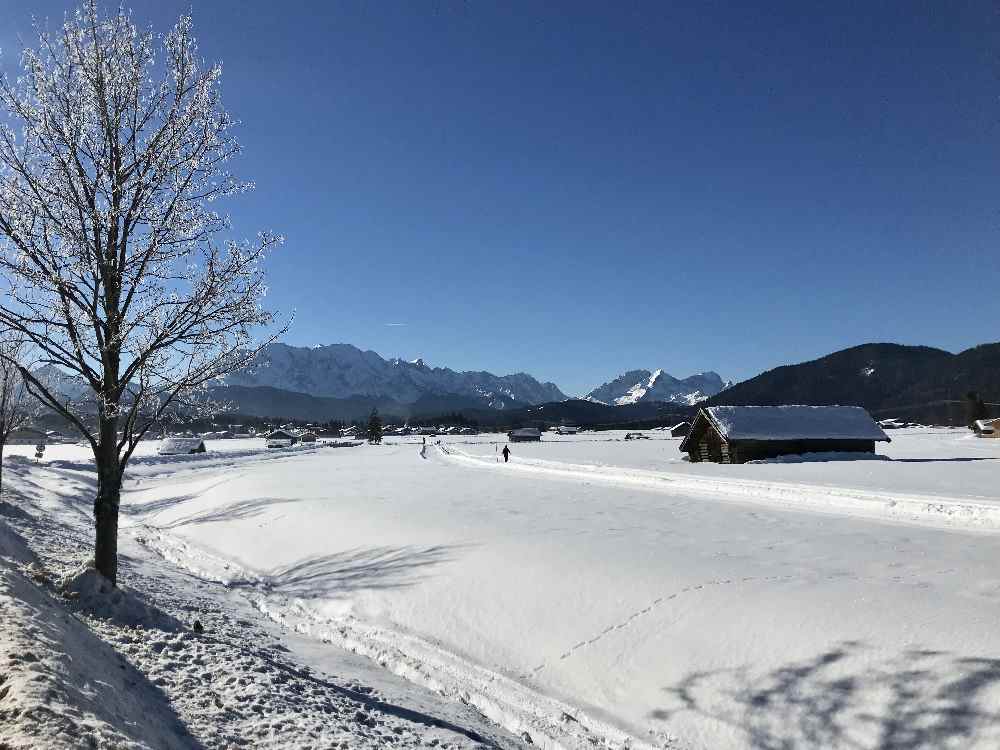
(12, 546)
(93, 593)
(61, 687)
(821, 456)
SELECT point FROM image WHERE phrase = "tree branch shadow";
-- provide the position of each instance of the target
(370, 568)
(235, 511)
(842, 698)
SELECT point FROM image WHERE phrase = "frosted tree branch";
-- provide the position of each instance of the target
(116, 150)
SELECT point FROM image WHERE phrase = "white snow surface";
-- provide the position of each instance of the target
(592, 592)
(83, 664)
(795, 422)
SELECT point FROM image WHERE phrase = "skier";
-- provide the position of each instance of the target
(506, 453)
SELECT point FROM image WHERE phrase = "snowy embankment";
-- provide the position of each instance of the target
(61, 686)
(589, 611)
(82, 665)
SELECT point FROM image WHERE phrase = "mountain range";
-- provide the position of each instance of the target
(342, 371)
(636, 386)
(917, 383)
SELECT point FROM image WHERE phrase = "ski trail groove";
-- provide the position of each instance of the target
(968, 514)
(505, 701)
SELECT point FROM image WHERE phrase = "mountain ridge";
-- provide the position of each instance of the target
(343, 371)
(635, 386)
(920, 383)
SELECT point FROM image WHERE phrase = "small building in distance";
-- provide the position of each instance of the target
(281, 439)
(987, 428)
(680, 429)
(524, 435)
(181, 446)
(737, 434)
(308, 436)
(26, 436)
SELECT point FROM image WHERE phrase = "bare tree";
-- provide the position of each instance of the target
(17, 407)
(110, 246)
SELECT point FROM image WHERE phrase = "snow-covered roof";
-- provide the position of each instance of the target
(987, 425)
(794, 423)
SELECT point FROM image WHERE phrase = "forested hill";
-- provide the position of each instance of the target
(913, 382)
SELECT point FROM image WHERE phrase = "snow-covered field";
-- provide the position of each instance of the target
(597, 592)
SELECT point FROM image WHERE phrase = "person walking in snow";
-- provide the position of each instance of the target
(506, 453)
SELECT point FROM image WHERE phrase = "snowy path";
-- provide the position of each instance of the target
(583, 610)
(924, 509)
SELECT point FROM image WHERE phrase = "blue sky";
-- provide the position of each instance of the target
(576, 189)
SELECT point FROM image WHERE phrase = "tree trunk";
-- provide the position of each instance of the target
(3, 444)
(109, 487)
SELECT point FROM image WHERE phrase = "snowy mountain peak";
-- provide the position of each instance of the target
(636, 386)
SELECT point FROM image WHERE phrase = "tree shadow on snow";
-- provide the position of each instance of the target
(370, 568)
(844, 698)
(75, 492)
(235, 511)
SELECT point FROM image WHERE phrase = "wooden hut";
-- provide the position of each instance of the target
(281, 439)
(737, 434)
(524, 435)
(181, 446)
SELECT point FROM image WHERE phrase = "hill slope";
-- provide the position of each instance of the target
(916, 382)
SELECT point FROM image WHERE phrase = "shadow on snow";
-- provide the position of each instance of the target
(371, 568)
(844, 699)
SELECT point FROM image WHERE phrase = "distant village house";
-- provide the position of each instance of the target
(987, 428)
(524, 435)
(181, 446)
(26, 436)
(281, 439)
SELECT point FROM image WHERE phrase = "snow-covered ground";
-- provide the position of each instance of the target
(127, 669)
(594, 592)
